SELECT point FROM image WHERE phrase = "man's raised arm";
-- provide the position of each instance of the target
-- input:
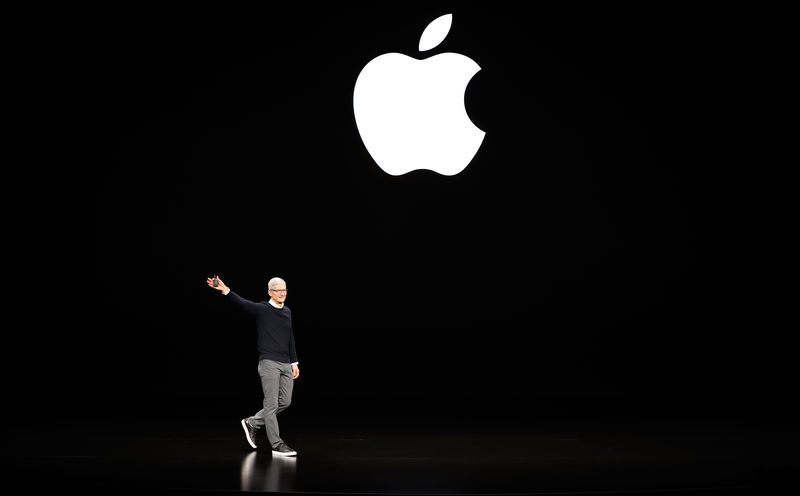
(247, 305)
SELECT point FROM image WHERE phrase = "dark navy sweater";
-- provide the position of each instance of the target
(274, 326)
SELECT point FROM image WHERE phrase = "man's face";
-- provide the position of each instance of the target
(278, 293)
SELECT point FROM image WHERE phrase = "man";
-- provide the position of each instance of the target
(277, 359)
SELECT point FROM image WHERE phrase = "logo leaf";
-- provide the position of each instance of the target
(436, 32)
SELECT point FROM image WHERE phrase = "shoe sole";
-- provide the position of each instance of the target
(247, 434)
(278, 453)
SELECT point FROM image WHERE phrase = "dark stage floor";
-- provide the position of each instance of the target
(547, 455)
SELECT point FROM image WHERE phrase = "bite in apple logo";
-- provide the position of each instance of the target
(410, 112)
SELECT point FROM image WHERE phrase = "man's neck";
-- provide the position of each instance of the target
(275, 303)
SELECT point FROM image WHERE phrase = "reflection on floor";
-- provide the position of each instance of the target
(543, 457)
(263, 472)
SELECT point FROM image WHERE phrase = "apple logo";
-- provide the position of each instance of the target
(410, 112)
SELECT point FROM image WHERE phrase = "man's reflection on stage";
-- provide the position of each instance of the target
(263, 472)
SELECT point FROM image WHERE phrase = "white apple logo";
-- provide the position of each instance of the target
(410, 113)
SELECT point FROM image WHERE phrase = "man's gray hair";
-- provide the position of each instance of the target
(274, 282)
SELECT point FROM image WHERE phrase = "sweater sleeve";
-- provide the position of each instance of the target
(292, 351)
(248, 306)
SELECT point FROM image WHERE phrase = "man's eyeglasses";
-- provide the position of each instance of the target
(278, 290)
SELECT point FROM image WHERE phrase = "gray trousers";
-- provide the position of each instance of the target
(277, 383)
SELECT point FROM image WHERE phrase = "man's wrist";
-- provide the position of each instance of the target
(226, 291)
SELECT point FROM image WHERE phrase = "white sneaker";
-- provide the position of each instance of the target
(249, 432)
(283, 450)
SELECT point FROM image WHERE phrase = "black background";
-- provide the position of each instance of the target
(623, 236)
